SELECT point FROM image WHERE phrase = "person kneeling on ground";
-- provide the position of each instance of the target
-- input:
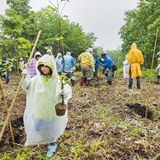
(135, 58)
(41, 123)
(107, 63)
(87, 60)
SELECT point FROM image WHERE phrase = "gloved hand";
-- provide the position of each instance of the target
(92, 69)
(99, 59)
(62, 92)
(25, 72)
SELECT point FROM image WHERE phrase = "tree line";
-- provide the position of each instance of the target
(20, 25)
(140, 27)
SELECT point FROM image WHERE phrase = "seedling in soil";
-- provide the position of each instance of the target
(21, 128)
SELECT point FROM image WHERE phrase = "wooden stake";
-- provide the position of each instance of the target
(151, 73)
(10, 109)
(10, 125)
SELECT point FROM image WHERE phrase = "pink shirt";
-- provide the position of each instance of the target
(32, 68)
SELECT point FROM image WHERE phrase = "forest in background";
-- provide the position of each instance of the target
(140, 27)
(20, 25)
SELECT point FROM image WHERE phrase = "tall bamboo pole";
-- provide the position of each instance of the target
(10, 109)
(10, 125)
(151, 73)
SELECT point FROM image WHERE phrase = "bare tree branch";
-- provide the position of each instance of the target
(63, 7)
(52, 3)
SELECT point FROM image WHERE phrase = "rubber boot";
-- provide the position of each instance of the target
(72, 82)
(7, 81)
(110, 82)
(157, 81)
(82, 81)
(86, 83)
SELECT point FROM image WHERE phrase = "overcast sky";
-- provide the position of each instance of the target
(102, 17)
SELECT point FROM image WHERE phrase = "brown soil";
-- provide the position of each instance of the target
(112, 115)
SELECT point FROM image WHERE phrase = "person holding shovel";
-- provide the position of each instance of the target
(135, 58)
(41, 123)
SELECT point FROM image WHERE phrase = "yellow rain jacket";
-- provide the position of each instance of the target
(135, 57)
(86, 59)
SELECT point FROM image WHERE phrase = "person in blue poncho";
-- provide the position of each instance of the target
(69, 62)
(107, 63)
(95, 65)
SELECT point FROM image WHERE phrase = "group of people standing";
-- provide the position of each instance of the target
(44, 92)
(68, 60)
(90, 64)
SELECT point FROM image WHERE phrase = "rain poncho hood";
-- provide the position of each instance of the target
(96, 55)
(37, 54)
(59, 54)
(32, 66)
(135, 57)
(51, 54)
(41, 123)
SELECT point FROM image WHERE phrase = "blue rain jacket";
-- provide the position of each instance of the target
(96, 61)
(110, 56)
(69, 62)
(108, 62)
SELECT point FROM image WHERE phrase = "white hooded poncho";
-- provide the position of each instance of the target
(58, 63)
(51, 55)
(41, 123)
(125, 68)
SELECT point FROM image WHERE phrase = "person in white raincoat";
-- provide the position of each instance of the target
(41, 123)
(58, 63)
(125, 68)
(49, 52)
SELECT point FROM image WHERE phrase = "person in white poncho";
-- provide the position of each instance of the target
(41, 123)
(58, 63)
(125, 68)
(49, 52)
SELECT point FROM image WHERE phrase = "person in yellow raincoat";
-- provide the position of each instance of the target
(87, 60)
(135, 58)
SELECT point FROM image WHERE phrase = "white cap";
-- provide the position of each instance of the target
(68, 53)
(21, 59)
(90, 50)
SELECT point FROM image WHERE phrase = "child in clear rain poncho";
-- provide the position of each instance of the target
(41, 123)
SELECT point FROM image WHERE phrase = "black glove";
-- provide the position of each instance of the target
(99, 59)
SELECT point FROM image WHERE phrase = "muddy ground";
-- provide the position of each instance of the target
(105, 122)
